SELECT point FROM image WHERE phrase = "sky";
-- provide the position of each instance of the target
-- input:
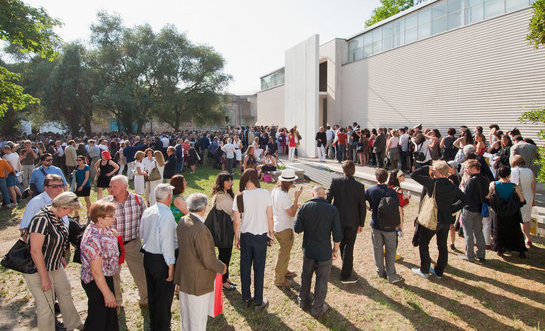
(252, 36)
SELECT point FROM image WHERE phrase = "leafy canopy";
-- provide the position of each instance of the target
(388, 8)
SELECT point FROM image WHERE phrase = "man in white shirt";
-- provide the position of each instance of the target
(251, 231)
(229, 150)
(330, 135)
(404, 143)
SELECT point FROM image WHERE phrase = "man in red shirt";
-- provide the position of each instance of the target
(341, 145)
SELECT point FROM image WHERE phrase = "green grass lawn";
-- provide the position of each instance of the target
(502, 294)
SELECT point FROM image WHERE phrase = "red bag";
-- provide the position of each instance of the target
(121, 250)
(218, 298)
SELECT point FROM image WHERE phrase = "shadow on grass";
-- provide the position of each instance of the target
(257, 320)
(12, 313)
(122, 319)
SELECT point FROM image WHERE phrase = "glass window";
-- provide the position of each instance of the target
(454, 6)
(377, 40)
(387, 36)
(439, 17)
(493, 8)
(512, 5)
(454, 20)
(439, 25)
(367, 45)
(411, 21)
(387, 43)
(438, 10)
(473, 11)
(411, 35)
(399, 32)
(355, 49)
(424, 23)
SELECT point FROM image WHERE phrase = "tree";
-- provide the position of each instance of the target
(27, 30)
(536, 37)
(387, 9)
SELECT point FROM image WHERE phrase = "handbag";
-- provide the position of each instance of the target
(427, 216)
(154, 174)
(19, 259)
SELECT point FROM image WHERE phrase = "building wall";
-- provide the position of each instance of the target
(476, 75)
(333, 52)
(270, 106)
(301, 92)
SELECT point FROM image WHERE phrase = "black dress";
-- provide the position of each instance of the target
(103, 181)
(506, 230)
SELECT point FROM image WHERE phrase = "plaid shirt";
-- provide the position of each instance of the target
(99, 243)
(128, 215)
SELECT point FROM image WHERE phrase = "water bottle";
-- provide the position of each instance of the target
(399, 233)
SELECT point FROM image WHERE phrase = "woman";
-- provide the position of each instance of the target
(99, 262)
(292, 144)
(148, 163)
(495, 146)
(435, 145)
(140, 174)
(282, 139)
(392, 149)
(448, 150)
(526, 181)
(249, 159)
(121, 157)
(223, 200)
(395, 178)
(422, 156)
(505, 202)
(238, 152)
(41, 149)
(269, 163)
(363, 147)
(284, 211)
(178, 206)
(48, 244)
(83, 189)
(480, 147)
(192, 158)
(159, 163)
(503, 155)
(105, 169)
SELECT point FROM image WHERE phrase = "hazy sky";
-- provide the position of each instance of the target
(251, 35)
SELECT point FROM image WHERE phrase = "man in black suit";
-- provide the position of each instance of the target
(348, 195)
(379, 146)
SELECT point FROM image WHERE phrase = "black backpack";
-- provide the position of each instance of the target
(388, 214)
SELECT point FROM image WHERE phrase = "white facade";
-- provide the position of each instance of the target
(476, 71)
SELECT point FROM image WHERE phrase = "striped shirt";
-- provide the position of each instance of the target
(128, 215)
(99, 243)
(56, 237)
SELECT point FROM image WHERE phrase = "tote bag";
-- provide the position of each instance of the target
(427, 216)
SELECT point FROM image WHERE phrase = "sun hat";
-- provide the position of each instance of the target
(107, 155)
(288, 175)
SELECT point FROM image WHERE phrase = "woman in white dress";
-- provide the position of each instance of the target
(139, 182)
(525, 179)
(238, 152)
(159, 162)
(149, 163)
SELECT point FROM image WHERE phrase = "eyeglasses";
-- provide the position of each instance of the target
(56, 186)
(48, 160)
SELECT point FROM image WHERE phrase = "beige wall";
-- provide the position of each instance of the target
(476, 75)
(270, 106)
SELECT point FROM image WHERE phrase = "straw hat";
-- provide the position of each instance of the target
(288, 175)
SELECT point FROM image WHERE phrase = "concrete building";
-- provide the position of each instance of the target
(442, 63)
(241, 110)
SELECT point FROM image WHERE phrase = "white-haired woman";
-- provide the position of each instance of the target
(48, 244)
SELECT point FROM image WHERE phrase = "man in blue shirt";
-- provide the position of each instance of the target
(203, 146)
(383, 239)
(38, 175)
(158, 233)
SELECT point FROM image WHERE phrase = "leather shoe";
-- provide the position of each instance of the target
(285, 283)
(291, 274)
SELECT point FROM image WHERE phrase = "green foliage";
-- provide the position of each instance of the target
(537, 117)
(27, 30)
(536, 36)
(388, 8)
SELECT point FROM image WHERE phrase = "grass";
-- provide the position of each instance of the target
(499, 295)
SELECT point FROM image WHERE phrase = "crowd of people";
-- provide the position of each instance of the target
(168, 241)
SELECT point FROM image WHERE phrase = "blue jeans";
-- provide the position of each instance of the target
(5, 192)
(341, 153)
(179, 166)
(253, 251)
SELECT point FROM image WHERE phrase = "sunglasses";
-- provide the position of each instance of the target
(56, 186)
(48, 160)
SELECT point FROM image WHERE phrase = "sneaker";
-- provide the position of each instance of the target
(452, 247)
(350, 280)
(465, 258)
(263, 305)
(291, 274)
(418, 272)
(481, 259)
(398, 257)
(382, 275)
(432, 271)
(59, 326)
(325, 308)
(305, 305)
(395, 279)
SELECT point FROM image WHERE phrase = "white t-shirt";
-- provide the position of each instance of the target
(13, 159)
(280, 202)
(254, 217)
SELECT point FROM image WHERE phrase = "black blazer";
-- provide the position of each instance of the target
(170, 167)
(380, 143)
(348, 195)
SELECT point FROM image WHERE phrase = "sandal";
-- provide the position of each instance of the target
(228, 287)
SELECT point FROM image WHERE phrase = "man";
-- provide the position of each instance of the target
(58, 155)
(128, 212)
(319, 221)
(379, 146)
(179, 155)
(38, 175)
(158, 232)
(70, 156)
(129, 152)
(28, 158)
(251, 231)
(527, 151)
(321, 139)
(449, 200)
(11, 181)
(348, 195)
(171, 163)
(197, 265)
(330, 134)
(384, 239)
(404, 153)
(476, 189)
(5, 170)
(341, 145)
(213, 148)
(93, 154)
(203, 146)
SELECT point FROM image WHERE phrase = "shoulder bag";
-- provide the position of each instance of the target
(154, 174)
(19, 259)
(427, 216)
